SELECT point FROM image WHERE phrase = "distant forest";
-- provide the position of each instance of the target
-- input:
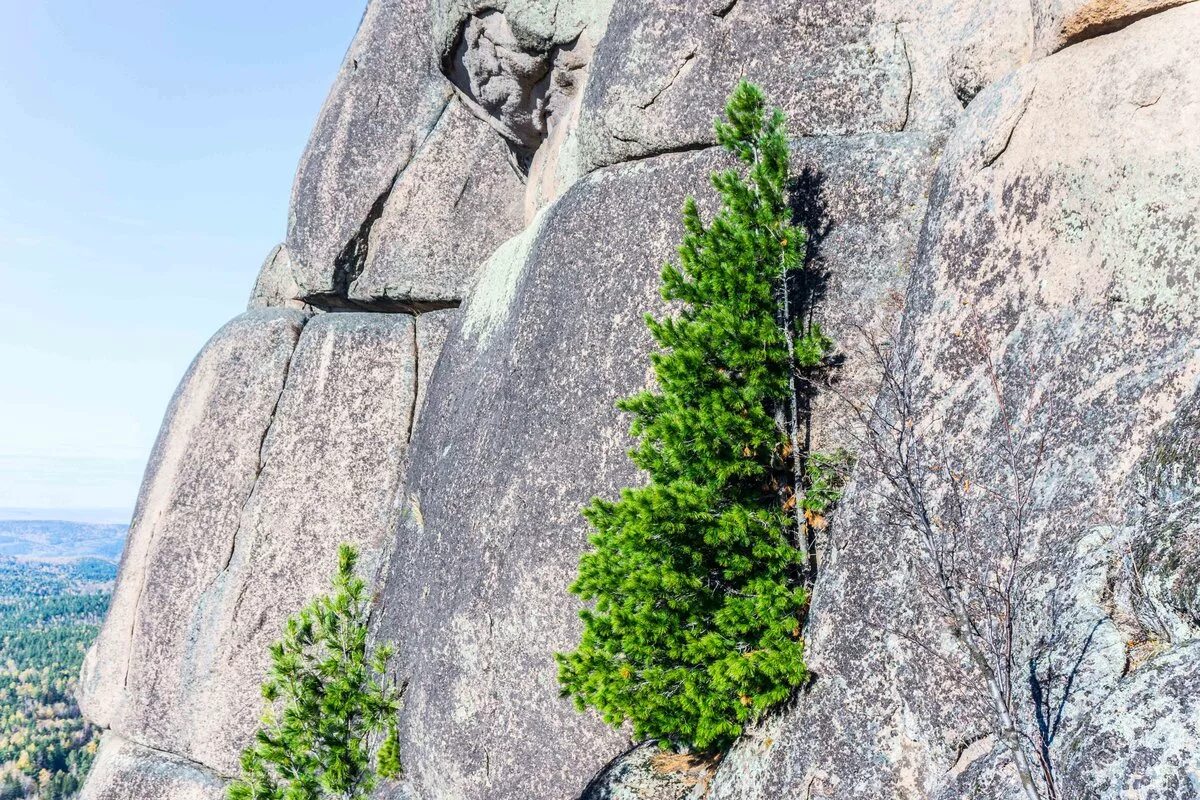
(49, 614)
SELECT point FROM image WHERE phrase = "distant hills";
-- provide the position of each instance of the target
(56, 540)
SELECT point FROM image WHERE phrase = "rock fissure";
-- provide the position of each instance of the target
(999, 145)
(416, 350)
(258, 470)
(675, 75)
(137, 602)
(908, 96)
(349, 264)
(387, 305)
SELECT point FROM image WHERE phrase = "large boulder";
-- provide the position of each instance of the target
(1051, 336)
(520, 431)
(124, 771)
(459, 199)
(954, 49)
(408, 183)
(665, 68)
(201, 471)
(255, 482)
(386, 100)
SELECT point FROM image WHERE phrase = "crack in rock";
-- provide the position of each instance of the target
(684, 66)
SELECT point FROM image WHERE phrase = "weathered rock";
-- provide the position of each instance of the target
(1058, 274)
(665, 69)
(955, 48)
(639, 775)
(1140, 740)
(1059, 23)
(432, 329)
(520, 430)
(1160, 577)
(1141, 737)
(126, 771)
(320, 465)
(534, 24)
(387, 98)
(201, 471)
(522, 66)
(522, 88)
(276, 283)
(1056, 280)
(862, 199)
(450, 208)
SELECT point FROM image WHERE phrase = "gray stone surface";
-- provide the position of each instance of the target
(647, 773)
(201, 471)
(954, 49)
(1057, 249)
(275, 286)
(1059, 23)
(387, 97)
(320, 465)
(862, 199)
(1140, 740)
(432, 329)
(126, 771)
(535, 24)
(450, 208)
(520, 430)
(665, 68)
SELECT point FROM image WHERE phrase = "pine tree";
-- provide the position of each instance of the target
(698, 577)
(329, 699)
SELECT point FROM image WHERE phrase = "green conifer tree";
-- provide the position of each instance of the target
(329, 700)
(698, 577)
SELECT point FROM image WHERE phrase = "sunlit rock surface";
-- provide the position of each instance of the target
(1003, 193)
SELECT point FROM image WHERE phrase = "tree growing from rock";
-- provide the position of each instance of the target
(698, 578)
(330, 701)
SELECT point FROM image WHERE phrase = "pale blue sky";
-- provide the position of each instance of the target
(146, 157)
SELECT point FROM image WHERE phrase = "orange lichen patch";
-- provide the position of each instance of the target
(1104, 16)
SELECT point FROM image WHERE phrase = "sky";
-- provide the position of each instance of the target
(147, 151)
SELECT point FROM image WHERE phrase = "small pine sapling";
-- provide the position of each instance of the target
(330, 701)
(698, 578)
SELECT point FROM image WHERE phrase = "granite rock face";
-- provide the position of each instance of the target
(386, 100)
(449, 209)
(836, 68)
(475, 599)
(123, 771)
(1002, 204)
(201, 472)
(320, 443)
(1054, 301)
(665, 69)
(276, 285)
